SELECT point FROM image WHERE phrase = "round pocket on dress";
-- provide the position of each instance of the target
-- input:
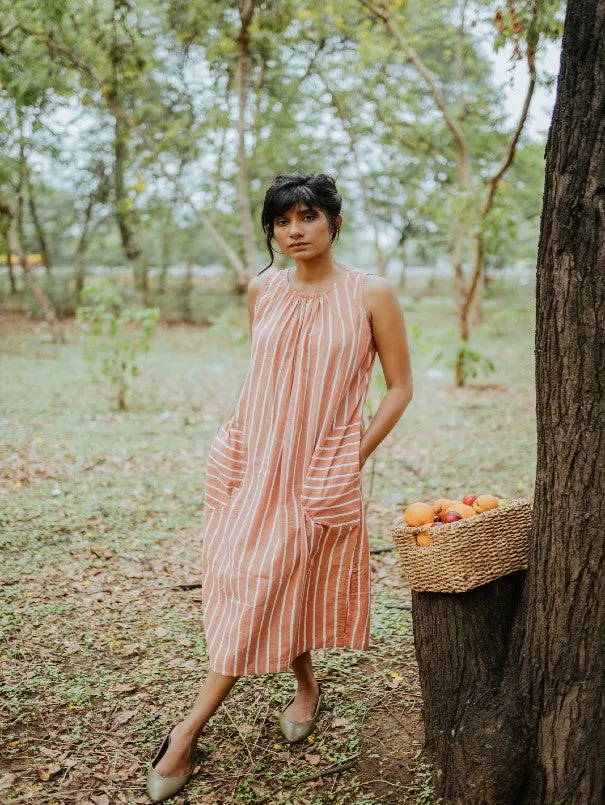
(332, 489)
(226, 465)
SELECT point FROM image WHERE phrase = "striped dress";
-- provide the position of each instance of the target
(285, 556)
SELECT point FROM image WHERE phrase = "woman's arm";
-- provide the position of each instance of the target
(253, 289)
(388, 328)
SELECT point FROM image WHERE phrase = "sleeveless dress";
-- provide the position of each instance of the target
(285, 556)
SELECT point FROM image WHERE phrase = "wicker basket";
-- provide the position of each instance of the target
(466, 553)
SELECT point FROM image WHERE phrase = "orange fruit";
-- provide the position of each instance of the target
(423, 539)
(440, 505)
(461, 508)
(418, 514)
(484, 503)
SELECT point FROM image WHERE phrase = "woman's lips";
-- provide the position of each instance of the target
(298, 245)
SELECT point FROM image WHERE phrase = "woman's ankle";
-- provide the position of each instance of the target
(191, 729)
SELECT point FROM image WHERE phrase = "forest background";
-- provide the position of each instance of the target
(136, 143)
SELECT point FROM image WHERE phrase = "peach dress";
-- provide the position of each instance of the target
(285, 557)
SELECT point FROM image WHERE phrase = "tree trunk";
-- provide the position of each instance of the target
(14, 247)
(477, 312)
(462, 644)
(134, 254)
(166, 236)
(243, 198)
(564, 648)
(40, 234)
(17, 219)
(9, 264)
(186, 292)
(520, 720)
(80, 258)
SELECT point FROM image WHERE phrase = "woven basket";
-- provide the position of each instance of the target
(466, 553)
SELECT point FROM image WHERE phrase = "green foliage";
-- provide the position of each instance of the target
(229, 326)
(116, 335)
(447, 349)
(328, 88)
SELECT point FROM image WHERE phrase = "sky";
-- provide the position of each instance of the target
(543, 102)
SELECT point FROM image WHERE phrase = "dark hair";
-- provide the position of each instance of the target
(317, 190)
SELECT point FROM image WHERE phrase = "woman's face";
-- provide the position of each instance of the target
(303, 232)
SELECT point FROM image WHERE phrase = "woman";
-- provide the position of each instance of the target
(285, 565)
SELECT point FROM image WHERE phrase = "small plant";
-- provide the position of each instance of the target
(116, 334)
(448, 350)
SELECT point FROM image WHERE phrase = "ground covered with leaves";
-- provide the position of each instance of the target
(102, 640)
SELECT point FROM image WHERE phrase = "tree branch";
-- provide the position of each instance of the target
(512, 145)
(415, 59)
(91, 71)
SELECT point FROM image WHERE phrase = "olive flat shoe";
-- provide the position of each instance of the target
(160, 788)
(299, 730)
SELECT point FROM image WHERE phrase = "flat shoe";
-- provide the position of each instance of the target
(298, 730)
(158, 787)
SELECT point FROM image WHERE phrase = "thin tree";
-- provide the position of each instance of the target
(466, 291)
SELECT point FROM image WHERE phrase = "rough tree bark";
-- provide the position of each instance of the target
(564, 646)
(462, 644)
(513, 681)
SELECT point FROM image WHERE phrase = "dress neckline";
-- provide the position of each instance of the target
(327, 290)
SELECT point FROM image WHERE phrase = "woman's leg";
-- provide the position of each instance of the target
(177, 759)
(307, 689)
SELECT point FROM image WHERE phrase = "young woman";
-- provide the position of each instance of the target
(285, 565)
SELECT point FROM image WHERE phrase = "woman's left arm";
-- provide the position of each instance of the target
(388, 328)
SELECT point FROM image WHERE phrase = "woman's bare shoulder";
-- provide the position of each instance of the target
(378, 295)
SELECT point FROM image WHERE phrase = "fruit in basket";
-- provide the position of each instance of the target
(423, 539)
(484, 503)
(469, 499)
(462, 508)
(451, 516)
(439, 506)
(418, 514)
(437, 522)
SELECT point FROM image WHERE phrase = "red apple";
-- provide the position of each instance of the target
(437, 522)
(469, 499)
(451, 517)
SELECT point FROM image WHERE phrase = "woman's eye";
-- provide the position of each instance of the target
(283, 222)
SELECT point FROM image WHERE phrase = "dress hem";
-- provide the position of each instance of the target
(281, 667)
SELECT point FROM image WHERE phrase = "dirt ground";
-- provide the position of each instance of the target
(102, 645)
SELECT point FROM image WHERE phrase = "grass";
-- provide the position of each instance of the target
(100, 515)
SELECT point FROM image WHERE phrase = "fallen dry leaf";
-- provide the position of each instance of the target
(341, 722)
(46, 772)
(122, 718)
(49, 751)
(7, 780)
(125, 687)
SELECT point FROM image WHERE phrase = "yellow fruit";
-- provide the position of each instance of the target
(423, 539)
(484, 503)
(418, 514)
(439, 506)
(461, 508)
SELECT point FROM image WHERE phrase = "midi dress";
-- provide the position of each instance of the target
(285, 547)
